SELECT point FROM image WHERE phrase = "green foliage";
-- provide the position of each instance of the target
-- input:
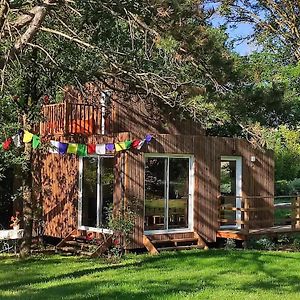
(263, 243)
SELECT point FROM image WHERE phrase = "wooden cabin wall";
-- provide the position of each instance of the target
(257, 178)
(130, 112)
(59, 175)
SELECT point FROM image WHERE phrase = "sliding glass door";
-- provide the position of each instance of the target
(168, 192)
(96, 191)
(231, 189)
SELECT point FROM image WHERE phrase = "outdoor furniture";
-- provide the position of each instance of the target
(9, 240)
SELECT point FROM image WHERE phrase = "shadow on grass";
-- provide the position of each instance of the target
(199, 270)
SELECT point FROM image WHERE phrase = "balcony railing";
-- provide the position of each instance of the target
(246, 213)
(71, 118)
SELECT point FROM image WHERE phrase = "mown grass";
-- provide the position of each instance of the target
(214, 274)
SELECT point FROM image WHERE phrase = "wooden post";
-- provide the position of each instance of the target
(246, 215)
(66, 118)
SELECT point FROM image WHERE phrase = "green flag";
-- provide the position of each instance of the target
(82, 150)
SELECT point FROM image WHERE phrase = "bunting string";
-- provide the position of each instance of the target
(57, 147)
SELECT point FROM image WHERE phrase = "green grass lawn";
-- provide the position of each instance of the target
(213, 274)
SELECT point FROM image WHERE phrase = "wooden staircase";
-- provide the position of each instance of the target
(82, 242)
(155, 244)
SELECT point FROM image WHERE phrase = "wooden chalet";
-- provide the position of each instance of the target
(186, 188)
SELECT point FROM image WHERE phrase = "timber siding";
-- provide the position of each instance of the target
(207, 151)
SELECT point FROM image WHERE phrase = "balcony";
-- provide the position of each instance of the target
(72, 118)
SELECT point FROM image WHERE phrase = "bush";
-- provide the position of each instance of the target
(230, 244)
(295, 186)
(282, 187)
(263, 243)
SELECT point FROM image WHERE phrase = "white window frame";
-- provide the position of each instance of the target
(99, 196)
(191, 192)
(238, 188)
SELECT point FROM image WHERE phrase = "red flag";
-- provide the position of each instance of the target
(6, 144)
(91, 149)
(135, 144)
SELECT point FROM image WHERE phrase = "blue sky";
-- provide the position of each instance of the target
(241, 30)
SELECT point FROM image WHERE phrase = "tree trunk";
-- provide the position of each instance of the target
(27, 202)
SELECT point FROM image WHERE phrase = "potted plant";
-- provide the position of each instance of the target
(15, 221)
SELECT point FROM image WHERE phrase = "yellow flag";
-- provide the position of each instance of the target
(27, 138)
(72, 148)
(120, 146)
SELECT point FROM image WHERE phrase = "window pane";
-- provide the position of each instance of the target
(228, 188)
(155, 193)
(107, 185)
(178, 192)
(89, 192)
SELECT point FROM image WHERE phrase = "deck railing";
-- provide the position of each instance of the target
(257, 212)
(71, 118)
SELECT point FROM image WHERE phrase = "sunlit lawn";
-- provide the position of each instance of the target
(214, 274)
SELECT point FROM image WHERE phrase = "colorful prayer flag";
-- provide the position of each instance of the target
(27, 138)
(100, 149)
(72, 148)
(148, 138)
(135, 143)
(141, 144)
(36, 141)
(17, 140)
(109, 147)
(120, 146)
(128, 144)
(91, 149)
(54, 145)
(82, 150)
(6, 144)
(62, 148)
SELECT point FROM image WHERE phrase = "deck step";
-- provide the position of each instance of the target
(176, 248)
(185, 240)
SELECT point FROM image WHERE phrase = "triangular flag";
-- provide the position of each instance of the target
(27, 138)
(17, 140)
(36, 141)
(100, 149)
(128, 144)
(62, 148)
(109, 147)
(6, 144)
(54, 145)
(120, 146)
(82, 150)
(91, 149)
(148, 138)
(72, 148)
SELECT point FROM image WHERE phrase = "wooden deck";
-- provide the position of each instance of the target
(244, 235)
(282, 217)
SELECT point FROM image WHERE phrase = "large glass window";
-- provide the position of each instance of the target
(97, 191)
(167, 188)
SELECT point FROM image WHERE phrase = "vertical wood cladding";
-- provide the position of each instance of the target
(59, 186)
(257, 178)
(59, 179)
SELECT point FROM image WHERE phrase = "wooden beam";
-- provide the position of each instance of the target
(149, 246)
(103, 247)
(201, 242)
(67, 238)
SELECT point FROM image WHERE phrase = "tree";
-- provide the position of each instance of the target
(162, 49)
(275, 23)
